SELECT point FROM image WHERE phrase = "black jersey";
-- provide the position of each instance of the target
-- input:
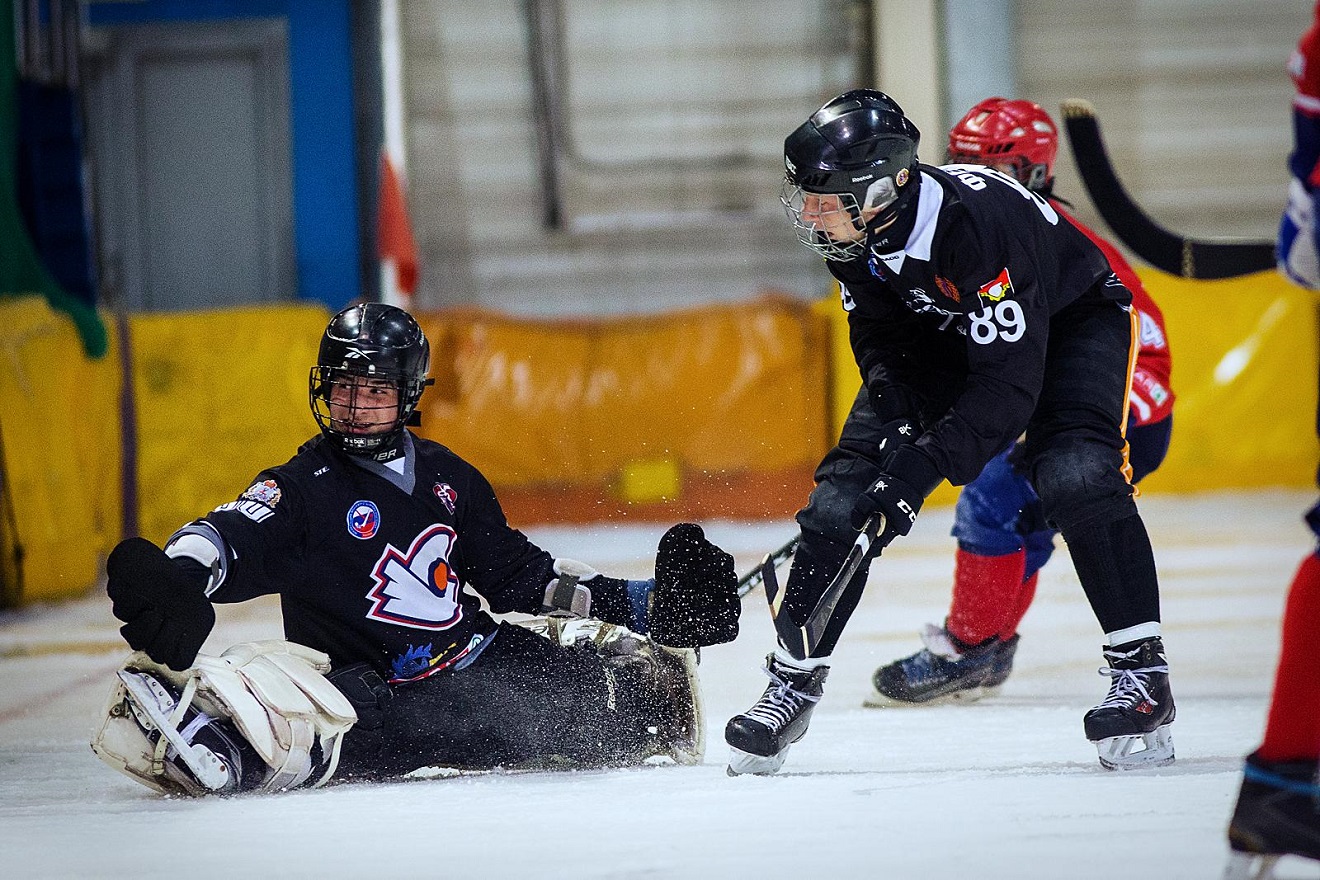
(370, 563)
(953, 328)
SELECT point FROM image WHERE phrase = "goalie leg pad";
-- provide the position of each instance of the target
(661, 682)
(260, 716)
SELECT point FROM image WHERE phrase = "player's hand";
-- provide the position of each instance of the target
(695, 600)
(897, 493)
(165, 610)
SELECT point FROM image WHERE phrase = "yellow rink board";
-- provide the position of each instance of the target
(1245, 366)
(632, 406)
(59, 421)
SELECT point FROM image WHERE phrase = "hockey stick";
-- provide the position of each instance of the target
(1165, 250)
(774, 559)
(802, 640)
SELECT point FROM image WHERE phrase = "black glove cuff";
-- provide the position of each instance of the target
(910, 465)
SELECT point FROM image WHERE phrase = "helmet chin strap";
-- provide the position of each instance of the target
(892, 235)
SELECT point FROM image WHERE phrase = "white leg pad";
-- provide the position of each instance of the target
(274, 692)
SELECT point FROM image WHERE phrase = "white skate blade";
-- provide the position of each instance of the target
(741, 763)
(147, 701)
(1250, 866)
(1116, 751)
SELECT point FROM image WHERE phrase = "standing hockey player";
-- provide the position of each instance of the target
(975, 312)
(369, 535)
(1278, 806)
(1003, 539)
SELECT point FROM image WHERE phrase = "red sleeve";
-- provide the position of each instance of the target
(1304, 67)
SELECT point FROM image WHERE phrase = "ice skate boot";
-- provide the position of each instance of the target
(1003, 665)
(186, 750)
(1277, 814)
(946, 670)
(759, 738)
(1138, 709)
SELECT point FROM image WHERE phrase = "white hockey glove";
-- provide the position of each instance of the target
(261, 716)
(1296, 249)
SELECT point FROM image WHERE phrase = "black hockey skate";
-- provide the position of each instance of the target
(1277, 814)
(759, 738)
(1138, 709)
(1003, 665)
(945, 670)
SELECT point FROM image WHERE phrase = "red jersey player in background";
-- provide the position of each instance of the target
(1278, 807)
(1003, 539)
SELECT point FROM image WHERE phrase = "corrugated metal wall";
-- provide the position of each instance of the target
(1192, 95)
(674, 111)
(674, 116)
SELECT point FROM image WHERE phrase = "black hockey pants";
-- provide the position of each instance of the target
(524, 702)
(1074, 454)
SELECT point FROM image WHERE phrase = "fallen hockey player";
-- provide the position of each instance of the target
(369, 535)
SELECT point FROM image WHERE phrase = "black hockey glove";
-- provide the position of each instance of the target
(162, 602)
(898, 493)
(896, 433)
(695, 601)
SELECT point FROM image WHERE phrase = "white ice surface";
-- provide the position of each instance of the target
(1006, 788)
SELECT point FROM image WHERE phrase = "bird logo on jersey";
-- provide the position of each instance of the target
(448, 497)
(417, 588)
(363, 520)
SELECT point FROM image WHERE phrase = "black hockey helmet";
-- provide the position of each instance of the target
(367, 347)
(862, 148)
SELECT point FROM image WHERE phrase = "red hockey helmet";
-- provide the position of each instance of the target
(1015, 136)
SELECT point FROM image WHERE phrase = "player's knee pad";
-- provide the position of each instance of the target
(841, 477)
(1081, 482)
(261, 716)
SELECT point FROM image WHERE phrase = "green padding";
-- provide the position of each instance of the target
(21, 270)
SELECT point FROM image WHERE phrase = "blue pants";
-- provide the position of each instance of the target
(999, 512)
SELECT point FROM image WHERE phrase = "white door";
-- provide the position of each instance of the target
(188, 134)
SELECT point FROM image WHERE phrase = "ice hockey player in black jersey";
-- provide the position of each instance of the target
(382, 546)
(976, 313)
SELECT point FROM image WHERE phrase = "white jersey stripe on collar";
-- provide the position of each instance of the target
(929, 200)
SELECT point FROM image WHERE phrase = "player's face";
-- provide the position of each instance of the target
(826, 212)
(361, 405)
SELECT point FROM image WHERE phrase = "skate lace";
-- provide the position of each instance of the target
(780, 703)
(1128, 687)
(937, 642)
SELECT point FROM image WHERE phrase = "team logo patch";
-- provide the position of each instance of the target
(417, 588)
(266, 492)
(448, 497)
(411, 663)
(423, 661)
(363, 520)
(258, 502)
(997, 289)
(948, 288)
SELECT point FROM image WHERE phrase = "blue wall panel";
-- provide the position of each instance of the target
(325, 210)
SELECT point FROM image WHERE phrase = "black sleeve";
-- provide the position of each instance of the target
(259, 535)
(883, 335)
(497, 560)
